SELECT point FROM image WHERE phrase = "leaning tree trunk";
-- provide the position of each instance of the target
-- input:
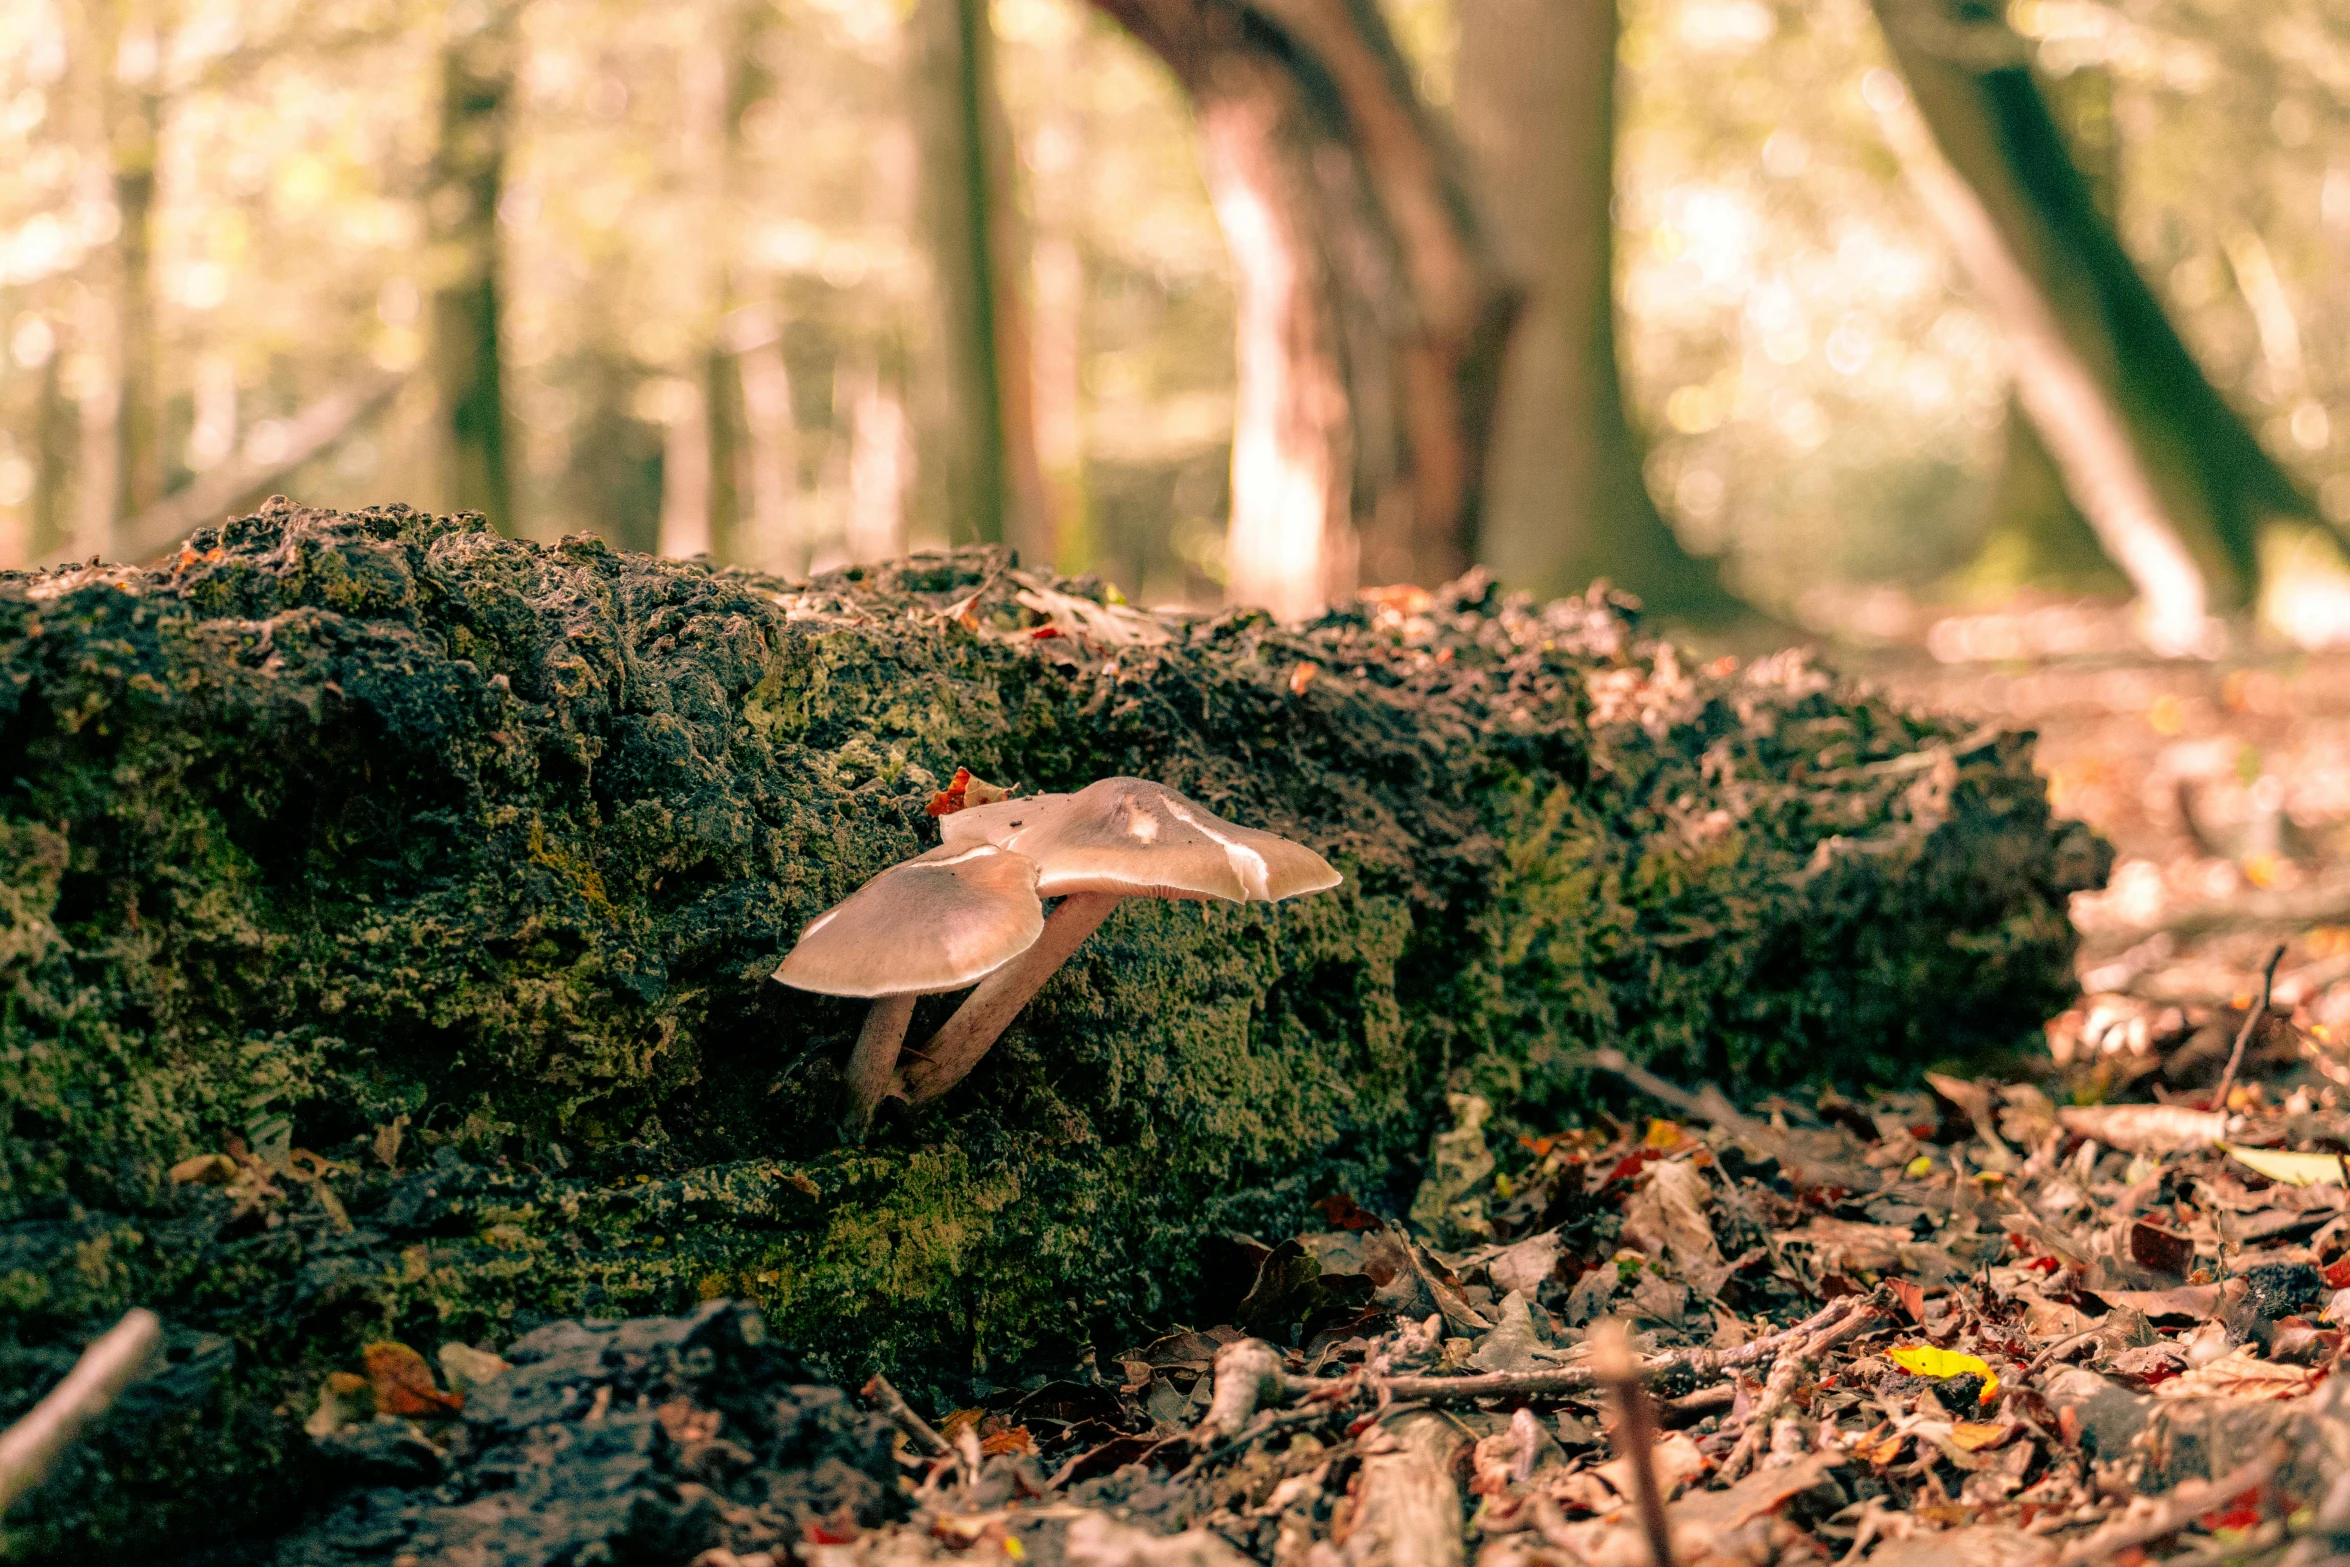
(2176, 486)
(1371, 310)
(1566, 500)
(2035, 536)
(461, 215)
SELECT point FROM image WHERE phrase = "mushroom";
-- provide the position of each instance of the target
(939, 921)
(1119, 838)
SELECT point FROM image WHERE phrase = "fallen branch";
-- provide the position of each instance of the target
(117, 1359)
(1256, 1377)
(892, 1406)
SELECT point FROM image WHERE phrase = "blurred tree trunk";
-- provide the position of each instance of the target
(2036, 536)
(696, 448)
(770, 461)
(461, 215)
(1566, 500)
(1371, 310)
(52, 456)
(135, 126)
(984, 424)
(2176, 486)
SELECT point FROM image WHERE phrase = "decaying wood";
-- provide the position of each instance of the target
(1407, 1506)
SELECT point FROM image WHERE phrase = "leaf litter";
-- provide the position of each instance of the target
(1968, 1326)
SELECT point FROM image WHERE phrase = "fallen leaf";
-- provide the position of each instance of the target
(1677, 1463)
(1981, 1545)
(343, 1399)
(1012, 1439)
(2146, 1128)
(403, 1382)
(1974, 1436)
(205, 1169)
(2187, 1303)
(2239, 1374)
(1942, 1364)
(2291, 1169)
(2166, 1251)
(1302, 676)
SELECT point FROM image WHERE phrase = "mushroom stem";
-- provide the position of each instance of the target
(873, 1063)
(963, 1039)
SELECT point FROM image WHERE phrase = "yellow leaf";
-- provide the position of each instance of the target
(1941, 1364)
(1974, 1436)
(1663, 1134)
(1920, 1167)
(2291, 1169)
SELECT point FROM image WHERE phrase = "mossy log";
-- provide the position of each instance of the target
(412, 892)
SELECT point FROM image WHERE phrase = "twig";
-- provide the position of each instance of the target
(2173, 1513)
(2227, 1079)
(1635, 1431)
(1777, 1394)
(893, 1407)
(109, 1365)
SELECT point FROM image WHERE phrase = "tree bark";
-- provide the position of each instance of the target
(461, 211)
(2176, 485)
(1371, 309)
(1567, 501)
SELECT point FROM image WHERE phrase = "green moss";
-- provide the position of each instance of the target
(462, 862)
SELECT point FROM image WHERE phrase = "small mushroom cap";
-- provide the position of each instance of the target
(939, 921)
(1142, 839)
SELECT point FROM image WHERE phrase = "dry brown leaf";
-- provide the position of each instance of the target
(2146, 1128)
(1677, 1463)
(2239, 1374)
(403, 1383)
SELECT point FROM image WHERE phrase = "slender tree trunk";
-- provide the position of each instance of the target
(461, 208)
(984, 434)
(137, 127)
(695, 453)
(1567, 502)
(52, 455)
(770, 458)
(98, 403)
(1372, 313)
(2176, 486)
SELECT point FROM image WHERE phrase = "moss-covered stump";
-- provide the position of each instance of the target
(414, 891)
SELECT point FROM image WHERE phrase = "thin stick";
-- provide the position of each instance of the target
(2227, 1079)
(1635, 1431)
(109, 1365)
(894, 1408)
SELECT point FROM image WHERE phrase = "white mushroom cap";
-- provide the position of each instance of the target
(939, 921)
(1141, 839)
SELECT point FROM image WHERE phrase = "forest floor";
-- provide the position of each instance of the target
(2087, 1315)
